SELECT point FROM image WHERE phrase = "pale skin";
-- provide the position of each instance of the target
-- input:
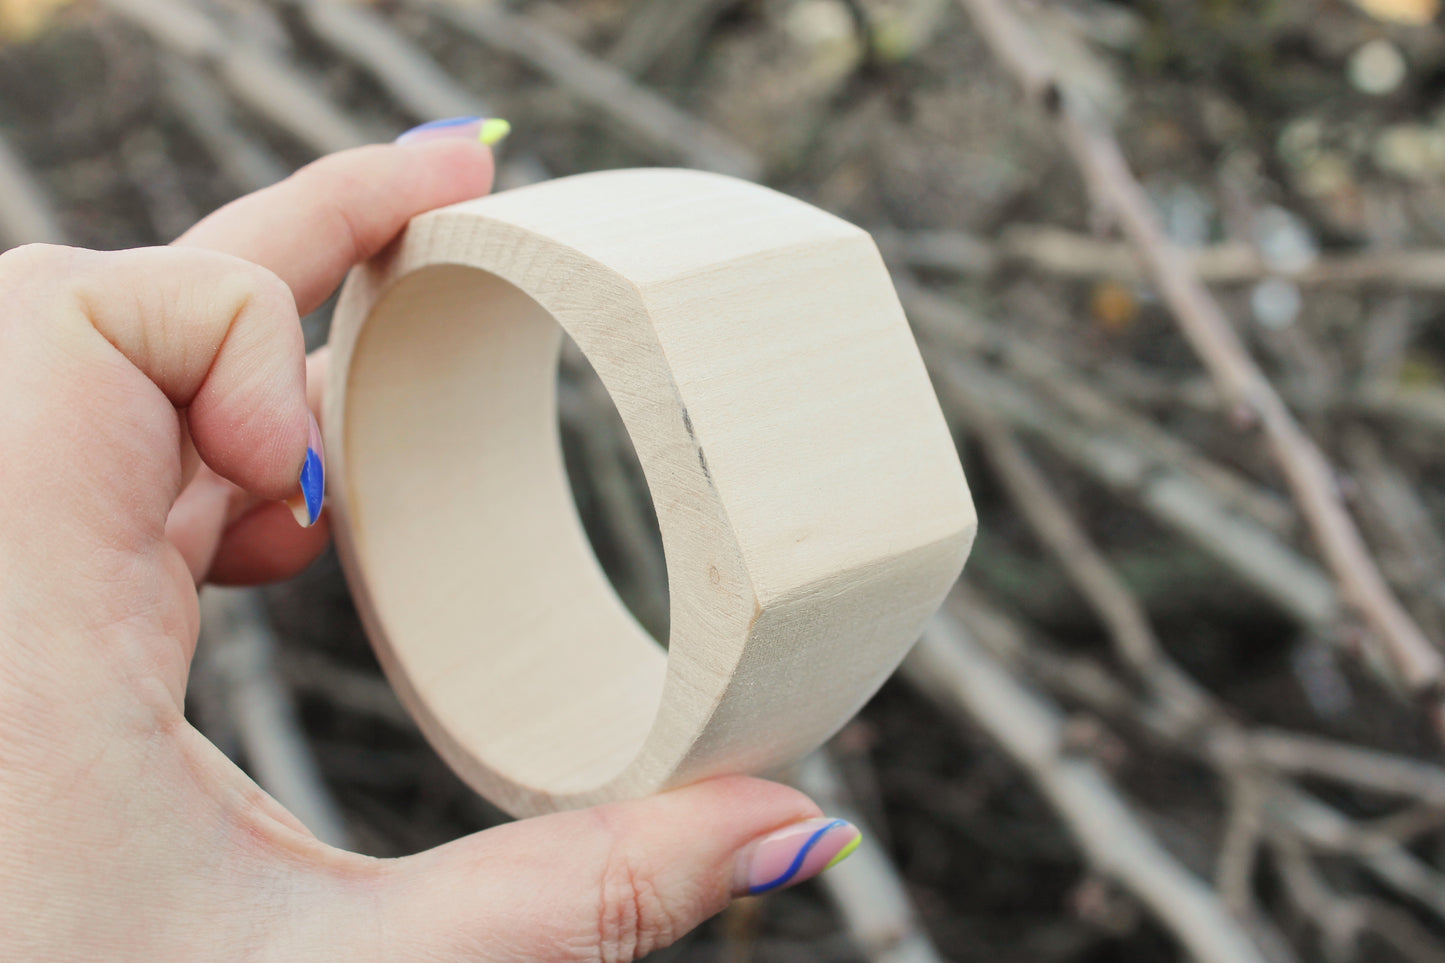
(126, 835)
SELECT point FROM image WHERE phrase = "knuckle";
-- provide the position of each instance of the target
(251, 288)
(271, 293)
(32, 263)
(634, 918)
(331, 184)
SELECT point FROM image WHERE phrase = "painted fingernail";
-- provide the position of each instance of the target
(793, 854)
(488, 130)
(306, 503)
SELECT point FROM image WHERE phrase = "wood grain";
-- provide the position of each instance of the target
(810, 499)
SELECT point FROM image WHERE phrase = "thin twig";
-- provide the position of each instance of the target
(258, 77)
(1239, 847)
(412, 77)
(951, 667)
(283, 94)
(1391, 501)
(1323, 827)
(1341, 920)
(1129, 629)
(1070, 254)
(1338, 920)
(345, 687)
(1382, 772)
(238, 640)
(1099, 157)
(204, 108)
(950, 324)
(1173, 497)
(158, 180)
(1417, 406)
(1289, 811)
(867, 888)
(26, 214)
(1408, 823)
(651, 118)
(656, 30)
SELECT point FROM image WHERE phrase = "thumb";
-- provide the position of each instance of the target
(121, 341)
(610, 883)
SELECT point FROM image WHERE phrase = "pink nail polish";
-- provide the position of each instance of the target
(794, 854)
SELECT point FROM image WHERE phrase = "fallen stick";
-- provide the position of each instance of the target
(203, 107)
(1325, 828)
(651, 118)
(953, 326)
(412, 77)
(259, 78)
(1245, 388)
(26, 214)
(1417, 406)
(1173, 497)
(287, 97)
(866, 888)
(1269, 759)
(1341, 920)
(1402, 519)
(1084, 257)
(1382, 772)
(238, 642)
(1130, 632)
(657, 30)
(958, 673)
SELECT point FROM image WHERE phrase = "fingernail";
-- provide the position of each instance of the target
(488, 130)
(793, 854)
(306, 503)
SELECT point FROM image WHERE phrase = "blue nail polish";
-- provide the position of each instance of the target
(442, 128)
(306, 503)
(313, 485)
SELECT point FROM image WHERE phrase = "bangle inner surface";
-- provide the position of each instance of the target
(489, 596)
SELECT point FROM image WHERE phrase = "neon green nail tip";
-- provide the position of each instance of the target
(493, 130)
(844, 853)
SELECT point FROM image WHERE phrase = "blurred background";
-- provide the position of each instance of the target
(1177, 269)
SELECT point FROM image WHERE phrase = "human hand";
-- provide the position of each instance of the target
(124, 834)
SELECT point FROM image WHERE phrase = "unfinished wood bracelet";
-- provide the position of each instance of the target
(812, 507)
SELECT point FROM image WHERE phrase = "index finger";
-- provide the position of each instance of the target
(337, 211)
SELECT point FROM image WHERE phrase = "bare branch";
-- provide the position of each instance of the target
(203, 107)
(951, 667)
(1070, 254)
(258, 77)
(658, 28)
(238, 641)
(1100, 159)
(411, 77)
(950, 325)
(26, 214)
(1239, 849)
(1129, 629)
(866, 888)
(592, 81)
(1367, 768)
(1390, 500)
(1176, 497)
(1297, 813)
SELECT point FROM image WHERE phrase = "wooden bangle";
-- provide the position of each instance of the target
(812, 507)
